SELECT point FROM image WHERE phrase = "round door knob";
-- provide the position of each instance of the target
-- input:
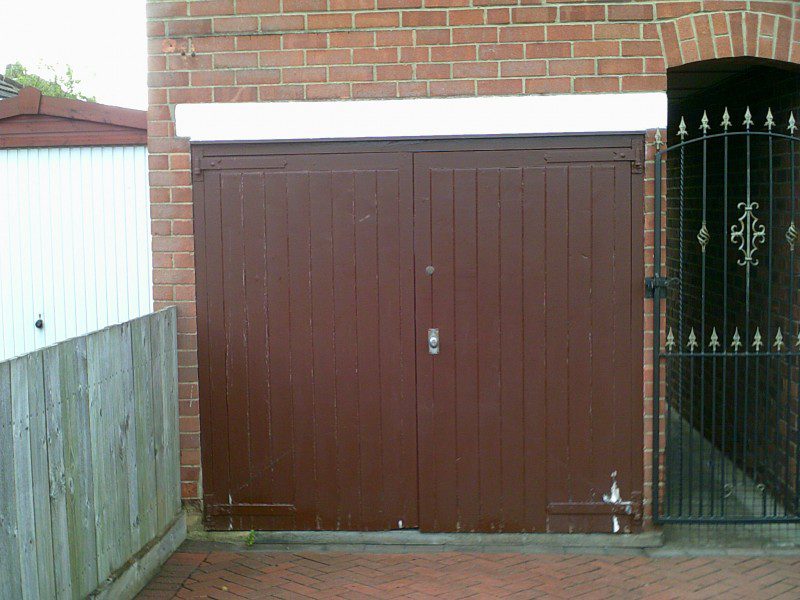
(39, 324)
(433, 341)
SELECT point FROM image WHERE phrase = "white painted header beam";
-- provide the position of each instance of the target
(421, 117)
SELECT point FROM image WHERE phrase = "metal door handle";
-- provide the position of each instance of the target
(433, 341)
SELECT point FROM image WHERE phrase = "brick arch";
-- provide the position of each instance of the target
(707, 36)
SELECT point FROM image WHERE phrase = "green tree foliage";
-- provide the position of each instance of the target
(54, 84)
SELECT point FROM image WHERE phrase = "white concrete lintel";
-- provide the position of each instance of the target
(421, 117)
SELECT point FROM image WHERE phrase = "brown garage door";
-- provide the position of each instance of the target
(534, 397)
(306, 324)
(321, 268)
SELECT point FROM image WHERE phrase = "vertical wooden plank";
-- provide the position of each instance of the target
(367, 294)
(255, 302)
(393, 407)
(488, 232)
(10, 566)
(141, 351)
(282, 451)
(556, 285)
(57, 474)
(323, 348)
(398, 400)
(159, 435)
(445, 386)
(79, 467)
(511, 349)
(580, 333)
(627, 231)
(349, 513)
(211, 340)
(129, 519)
(407, 419)
(424, 364)
(115, 433)
(299, 243)
(236, 328)
(465, 246)
(165, 415)
(581, 390)
(99, 374)
(26, 524)
(114, 408)
(605, 385)
(534, 331)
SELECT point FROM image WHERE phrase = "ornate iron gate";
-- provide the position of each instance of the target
(728, 342)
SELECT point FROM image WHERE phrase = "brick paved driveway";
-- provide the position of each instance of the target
(195, 572)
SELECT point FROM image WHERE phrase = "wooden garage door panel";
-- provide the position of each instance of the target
(531, 401)
(306, 333)
(319, 398)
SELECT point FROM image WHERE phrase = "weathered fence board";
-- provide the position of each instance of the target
(10, 581)
(55, 459)
(145, 445)
(26, 524)
(89, 471)
(43, 534)
(78, 468)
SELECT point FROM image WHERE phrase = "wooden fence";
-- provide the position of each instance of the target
(89, 471)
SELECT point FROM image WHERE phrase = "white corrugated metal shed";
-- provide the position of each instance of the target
(74, 230)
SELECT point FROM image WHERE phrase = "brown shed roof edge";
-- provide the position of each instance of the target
(30, 101)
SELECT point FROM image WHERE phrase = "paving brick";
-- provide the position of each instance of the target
(258, 574)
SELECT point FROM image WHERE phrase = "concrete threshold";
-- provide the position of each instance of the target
(409, 541)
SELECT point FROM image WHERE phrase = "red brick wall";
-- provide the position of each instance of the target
(261, 50)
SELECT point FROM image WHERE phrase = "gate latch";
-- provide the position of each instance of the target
(652, 284)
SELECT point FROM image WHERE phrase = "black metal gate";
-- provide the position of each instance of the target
(727, 300)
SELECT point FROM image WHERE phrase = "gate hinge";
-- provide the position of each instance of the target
(637, 165)
(197, 170)
(651, 284)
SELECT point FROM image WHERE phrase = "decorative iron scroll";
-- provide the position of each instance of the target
(791, 235)
(748, 233)
(703, 236)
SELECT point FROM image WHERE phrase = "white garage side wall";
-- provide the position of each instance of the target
(74, 243)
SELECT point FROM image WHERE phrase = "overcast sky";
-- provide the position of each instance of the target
(102, 40)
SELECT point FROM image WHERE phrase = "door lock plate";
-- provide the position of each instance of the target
(433, 341)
